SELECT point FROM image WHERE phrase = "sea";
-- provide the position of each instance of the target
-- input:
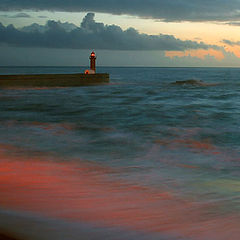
(138, 158)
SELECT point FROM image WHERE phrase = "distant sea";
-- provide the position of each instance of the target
(138, 158)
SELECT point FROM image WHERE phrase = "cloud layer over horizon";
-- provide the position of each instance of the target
(92, 35)
(231, 43)
(177, 10)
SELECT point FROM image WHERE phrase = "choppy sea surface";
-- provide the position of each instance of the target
(139, 158)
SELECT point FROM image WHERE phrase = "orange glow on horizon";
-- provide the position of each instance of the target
(233, 49)
(199, 53)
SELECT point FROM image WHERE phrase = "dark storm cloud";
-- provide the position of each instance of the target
(167, 10)
(92, 35)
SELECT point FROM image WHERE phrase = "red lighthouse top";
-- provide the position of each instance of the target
(93, 54)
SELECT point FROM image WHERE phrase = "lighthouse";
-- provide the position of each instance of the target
(92, 69)
(93, 61)
(89, 78)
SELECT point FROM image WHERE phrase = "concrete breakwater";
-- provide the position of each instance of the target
(53, 80)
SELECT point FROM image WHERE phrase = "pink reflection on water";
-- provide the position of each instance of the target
(204, 146)
(86, 192)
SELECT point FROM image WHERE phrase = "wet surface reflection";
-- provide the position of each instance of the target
(86, 192)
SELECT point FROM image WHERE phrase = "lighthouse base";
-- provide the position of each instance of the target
(54, 80)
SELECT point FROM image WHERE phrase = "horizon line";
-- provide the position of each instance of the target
(60, 66)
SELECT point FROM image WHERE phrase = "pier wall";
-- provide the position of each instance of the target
(53, 80)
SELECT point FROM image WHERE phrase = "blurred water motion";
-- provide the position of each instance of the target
(85, 192)
(125, 161)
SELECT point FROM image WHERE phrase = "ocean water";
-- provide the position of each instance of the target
(138, 158)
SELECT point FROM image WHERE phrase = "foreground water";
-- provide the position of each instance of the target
(139, 158)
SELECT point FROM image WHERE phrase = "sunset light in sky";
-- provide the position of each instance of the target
(203, 30)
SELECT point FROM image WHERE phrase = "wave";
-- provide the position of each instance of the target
(194, 82)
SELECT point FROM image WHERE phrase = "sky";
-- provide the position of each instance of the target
(157, 33)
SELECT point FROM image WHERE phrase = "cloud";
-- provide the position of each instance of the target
(41, 16)
(231, 43)
(18, 15)
(68, 27)
(21, 15)
(166, 10)
(197, 53)
(236, 23)
(92, 35)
